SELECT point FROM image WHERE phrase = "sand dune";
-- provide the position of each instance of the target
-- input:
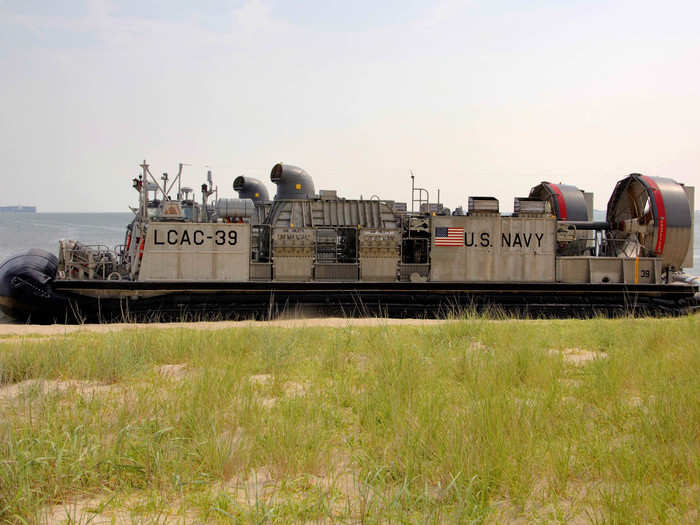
(335, 322)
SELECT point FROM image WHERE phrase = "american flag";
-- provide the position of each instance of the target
(448, 236)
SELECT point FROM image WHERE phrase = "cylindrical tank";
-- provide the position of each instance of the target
(250, 188)
(657, 211)
(292, 182)
(235, 208)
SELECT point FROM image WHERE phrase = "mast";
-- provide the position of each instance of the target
(144, 191)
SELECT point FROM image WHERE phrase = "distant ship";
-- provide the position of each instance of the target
(18, 209)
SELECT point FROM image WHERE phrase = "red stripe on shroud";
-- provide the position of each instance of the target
(661, 211)
(560, 201)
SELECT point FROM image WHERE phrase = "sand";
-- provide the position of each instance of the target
(21, 330)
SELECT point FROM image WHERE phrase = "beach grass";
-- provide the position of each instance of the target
(470, 421)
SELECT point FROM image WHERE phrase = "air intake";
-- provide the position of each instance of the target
(250, 188)
(292, 182)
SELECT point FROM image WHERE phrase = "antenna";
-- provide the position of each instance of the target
(420, 191)
(143, 198)
(413, 187)
(164, 178)
(178, 179)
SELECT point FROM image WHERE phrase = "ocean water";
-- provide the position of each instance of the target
(22, 231)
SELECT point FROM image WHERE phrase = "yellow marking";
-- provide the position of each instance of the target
(257, 195)
(298, 186)
(636, 270)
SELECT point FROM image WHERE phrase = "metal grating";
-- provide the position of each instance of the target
(483, 205)
(336, 272)
(407, 269)
(528, 206)
(260, 271)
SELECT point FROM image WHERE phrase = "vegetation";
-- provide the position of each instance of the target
(475, 420)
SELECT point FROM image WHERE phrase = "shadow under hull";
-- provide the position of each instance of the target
(110, 301)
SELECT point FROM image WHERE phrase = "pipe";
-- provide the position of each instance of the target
(587, 225)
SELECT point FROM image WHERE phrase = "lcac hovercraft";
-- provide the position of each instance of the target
(253, 256)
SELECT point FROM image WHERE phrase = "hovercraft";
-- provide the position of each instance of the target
(253, 256)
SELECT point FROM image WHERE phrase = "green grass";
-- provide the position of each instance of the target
(472, 421)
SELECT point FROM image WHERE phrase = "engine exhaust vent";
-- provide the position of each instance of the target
(483, 206)
(527, 207)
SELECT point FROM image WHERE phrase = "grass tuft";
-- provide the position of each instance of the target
(475, 420)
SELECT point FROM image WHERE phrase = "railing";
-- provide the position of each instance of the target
(260, 243)
(88, 262)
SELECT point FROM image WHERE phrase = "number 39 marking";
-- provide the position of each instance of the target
(644, 274)
(222, 238)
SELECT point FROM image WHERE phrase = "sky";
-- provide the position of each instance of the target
(473, 97)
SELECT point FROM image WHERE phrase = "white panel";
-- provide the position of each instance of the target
(495, 248)
(196, 252)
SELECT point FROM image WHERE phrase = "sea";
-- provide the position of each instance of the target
(22, 231)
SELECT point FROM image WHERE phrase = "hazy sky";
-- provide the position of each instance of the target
(477, 98)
